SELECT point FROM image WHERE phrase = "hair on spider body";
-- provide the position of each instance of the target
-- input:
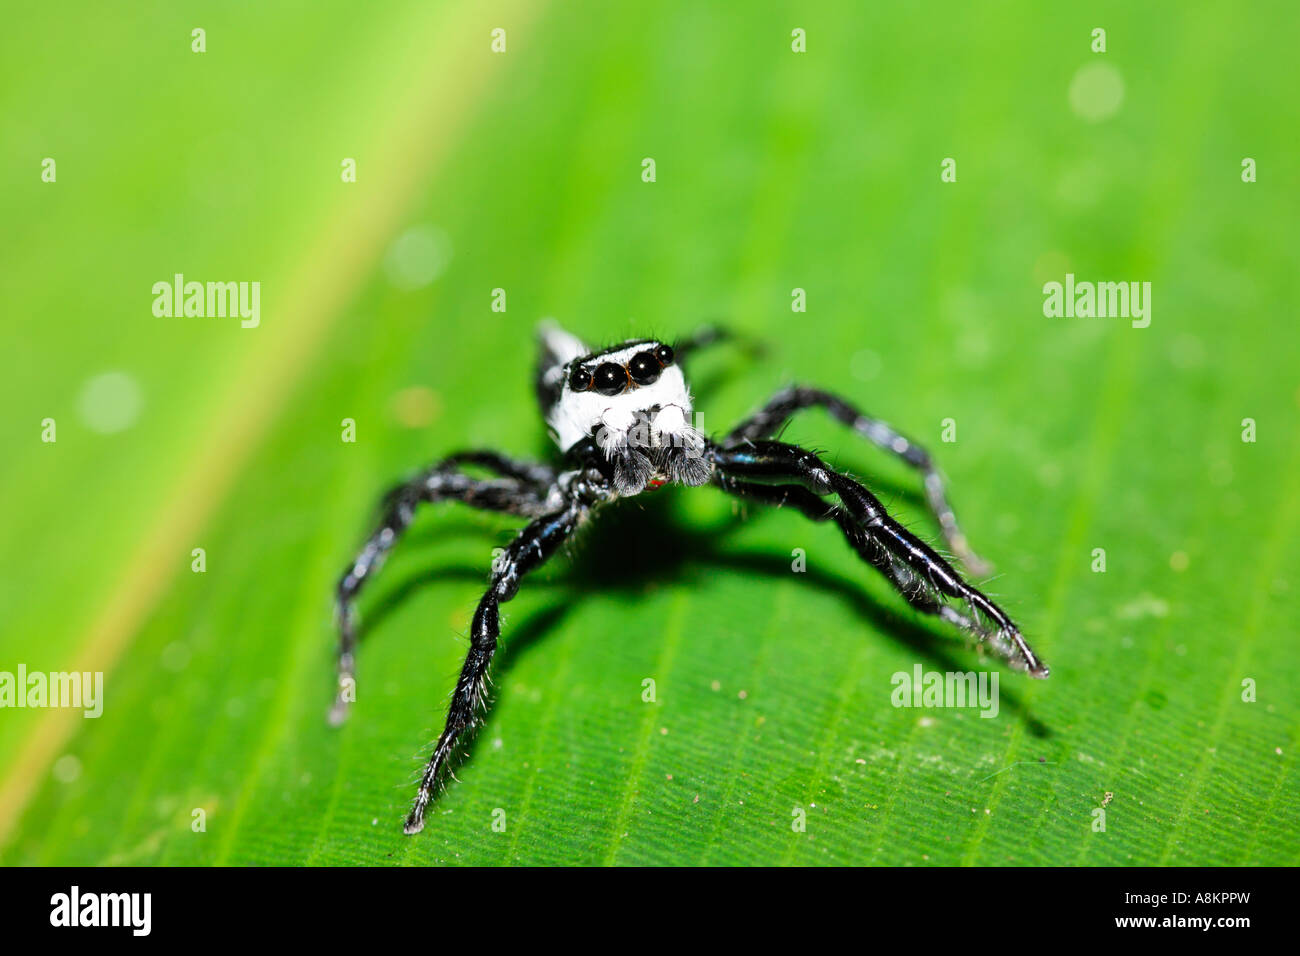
(622, 418)
(625, 410)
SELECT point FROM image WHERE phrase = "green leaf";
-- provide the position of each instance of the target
(775, 171)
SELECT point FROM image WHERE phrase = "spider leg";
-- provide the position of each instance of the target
(816, 509)
(923, 577)
(538, 474)
(523, 491)
(701, 338)
(533, 546)
(784, 405)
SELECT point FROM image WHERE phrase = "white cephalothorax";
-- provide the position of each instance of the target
(605, 394)
(631, 400)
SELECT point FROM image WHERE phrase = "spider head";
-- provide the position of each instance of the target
(632, 400)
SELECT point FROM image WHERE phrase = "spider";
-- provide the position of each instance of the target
(622, 418)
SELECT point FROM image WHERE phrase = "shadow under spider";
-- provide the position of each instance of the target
(644, 543)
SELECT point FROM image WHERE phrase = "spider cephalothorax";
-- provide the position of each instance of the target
(631, 400)
(622, 417)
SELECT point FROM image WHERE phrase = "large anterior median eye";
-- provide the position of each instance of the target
(610, 378)
(644, 368)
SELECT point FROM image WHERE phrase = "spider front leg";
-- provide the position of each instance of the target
(534, 545)
(921, 575)
(867, 548)
(783, 406)
(522, 492)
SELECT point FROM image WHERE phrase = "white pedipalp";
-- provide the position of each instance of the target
(616, 422)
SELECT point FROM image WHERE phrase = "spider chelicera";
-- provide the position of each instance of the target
(622, 419)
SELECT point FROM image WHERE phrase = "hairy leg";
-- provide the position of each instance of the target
(920, 573)
(785, 404)
(522, 492)
(701, 338)
(867, 548)
(534, 545)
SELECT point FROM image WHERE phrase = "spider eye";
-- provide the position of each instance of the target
(610, 378)
(579, 379)
(644, 368)
(665, 355)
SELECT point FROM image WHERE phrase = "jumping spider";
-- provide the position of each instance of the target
(622, 419)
